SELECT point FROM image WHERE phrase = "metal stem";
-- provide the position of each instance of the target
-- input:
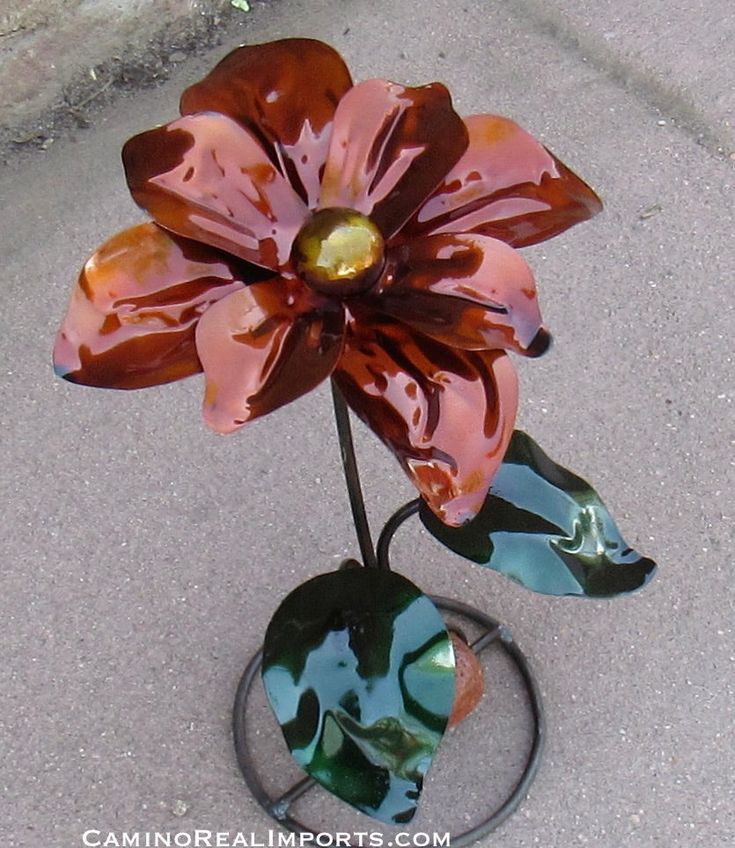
(391, 525)
(279, 808)
(352, 478)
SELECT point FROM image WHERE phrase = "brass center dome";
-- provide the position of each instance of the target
(339, 252)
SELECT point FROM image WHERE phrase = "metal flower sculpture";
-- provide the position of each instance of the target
(308, 227)
(305, 228)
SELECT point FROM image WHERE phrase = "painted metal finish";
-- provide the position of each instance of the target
(447, 414)
(469, 680)
(359, 670)
(507, 186)
(547, 529)
(285, 93)
(273, 138)
(136, 305)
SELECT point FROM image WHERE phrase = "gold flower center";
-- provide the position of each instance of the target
(339, 252)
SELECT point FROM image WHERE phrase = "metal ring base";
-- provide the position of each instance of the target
(495, 633)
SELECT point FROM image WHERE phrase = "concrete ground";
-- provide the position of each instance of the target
(143, 556)
(62, 60)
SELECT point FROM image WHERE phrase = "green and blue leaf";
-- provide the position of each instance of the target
(547, 529)
(359, 670)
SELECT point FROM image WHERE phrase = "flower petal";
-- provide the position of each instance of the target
(285, 93)
(507, 186)
(467, 291)
(391, 146)
(134, 310)
(264, 346)
(446, 414)
(206, 178)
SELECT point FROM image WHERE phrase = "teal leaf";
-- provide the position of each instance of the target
(547, 529)
(359, 671)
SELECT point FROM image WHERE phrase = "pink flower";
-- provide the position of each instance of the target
(306, 228)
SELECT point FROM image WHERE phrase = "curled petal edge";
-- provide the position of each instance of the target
(506, 185)
(467, 291)
(446, 414)
(134, 309)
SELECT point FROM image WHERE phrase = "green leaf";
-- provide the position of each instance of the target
(242, 5)
(359, 670)
(547, 529)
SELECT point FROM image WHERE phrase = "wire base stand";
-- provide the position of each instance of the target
(493, 634)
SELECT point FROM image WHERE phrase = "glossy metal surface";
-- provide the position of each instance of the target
(207, 178)
(507, 186)
(467, 291)
(262, 347)
(359, 670)
(547, 529)
(469, 680)
(339, 252)
(274, 133)
(284, 92)
(279, 804)
(446, 414)
(391, 146)
(135, 308)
